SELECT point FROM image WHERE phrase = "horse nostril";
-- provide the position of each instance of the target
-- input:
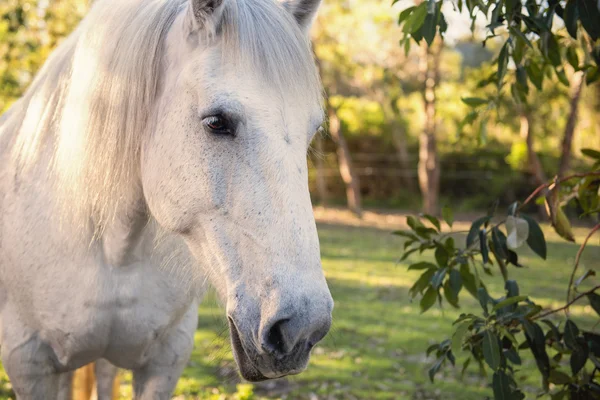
(276, 340)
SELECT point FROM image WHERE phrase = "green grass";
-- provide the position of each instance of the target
(375, 349)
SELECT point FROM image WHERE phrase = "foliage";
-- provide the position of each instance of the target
(507, 326)
(29, 31)
(534, 46)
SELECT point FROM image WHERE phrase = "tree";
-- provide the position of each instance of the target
(29, 31)
(491, 339)
(344, 161)
(577, 88)
(429, 165)
(356, 47)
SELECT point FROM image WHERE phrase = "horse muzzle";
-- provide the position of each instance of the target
(283, 347)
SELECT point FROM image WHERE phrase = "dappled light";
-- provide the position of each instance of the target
(161, 162)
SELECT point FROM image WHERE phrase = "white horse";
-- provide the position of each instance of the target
(163, 144)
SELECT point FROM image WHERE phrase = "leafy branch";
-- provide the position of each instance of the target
(490, 339)
(566, 306)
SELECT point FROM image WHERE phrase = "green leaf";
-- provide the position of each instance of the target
(536, 239)
(484, 299)
(455, 280)
(474, 231)
(483, 248)
(441, 256)
(512, 288)
(522, 78)
(414, 223)
(508, 302)
(468, 280)
(474, 101)
(595, 154)
(435, 368)
(562, 77)
(558, 377)
(434, 221)
(405, 13)
(537, 344)
(431, 348)
(589, 15)
(593, 341)
(578, 359)
(513, 258)
(406, 254)
(422, 265)
(499, 242)
(550, 48)
(560, 222)
(501, 386)
(572, 58)
(593, 74)
(594, 300)
(424, 232)
(451, 294)
(416, 19)
(570, 335)
(519, 49)
(421, 283)
(442, 24)
(429, 28)
(448, 215)
(513, 356)
(406, 234)
(502, 63)
(491, 350)
(535, 74)
(458, 336)
(428, 299)
(555, 333)
(570, 18)
(438, 278)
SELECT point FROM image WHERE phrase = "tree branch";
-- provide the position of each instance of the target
(568, 304)
(578, 258)
(557, 181)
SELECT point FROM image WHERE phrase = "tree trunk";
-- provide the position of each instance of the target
(345, 162)
(429, 169)
(322, 193)
(534, 166)
(565, 157)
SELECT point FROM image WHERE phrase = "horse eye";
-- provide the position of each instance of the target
(217, 124)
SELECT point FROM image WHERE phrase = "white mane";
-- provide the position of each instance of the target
(89, 106)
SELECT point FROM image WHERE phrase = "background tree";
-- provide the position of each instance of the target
(491, 339)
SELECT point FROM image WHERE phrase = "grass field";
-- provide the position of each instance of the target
(376, 347)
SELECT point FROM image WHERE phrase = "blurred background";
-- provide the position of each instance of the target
(391, 113)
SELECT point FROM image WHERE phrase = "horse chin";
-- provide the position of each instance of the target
(247, 369)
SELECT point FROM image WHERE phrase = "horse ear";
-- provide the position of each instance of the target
(304, 11)
(205, 14)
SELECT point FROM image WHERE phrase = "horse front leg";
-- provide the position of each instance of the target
(105, 380)
(157, 379)
(29, 362)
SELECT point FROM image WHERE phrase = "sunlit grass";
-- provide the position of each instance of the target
(376, 346)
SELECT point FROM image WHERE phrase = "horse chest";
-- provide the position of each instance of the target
(96, 311)
(135, 307)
